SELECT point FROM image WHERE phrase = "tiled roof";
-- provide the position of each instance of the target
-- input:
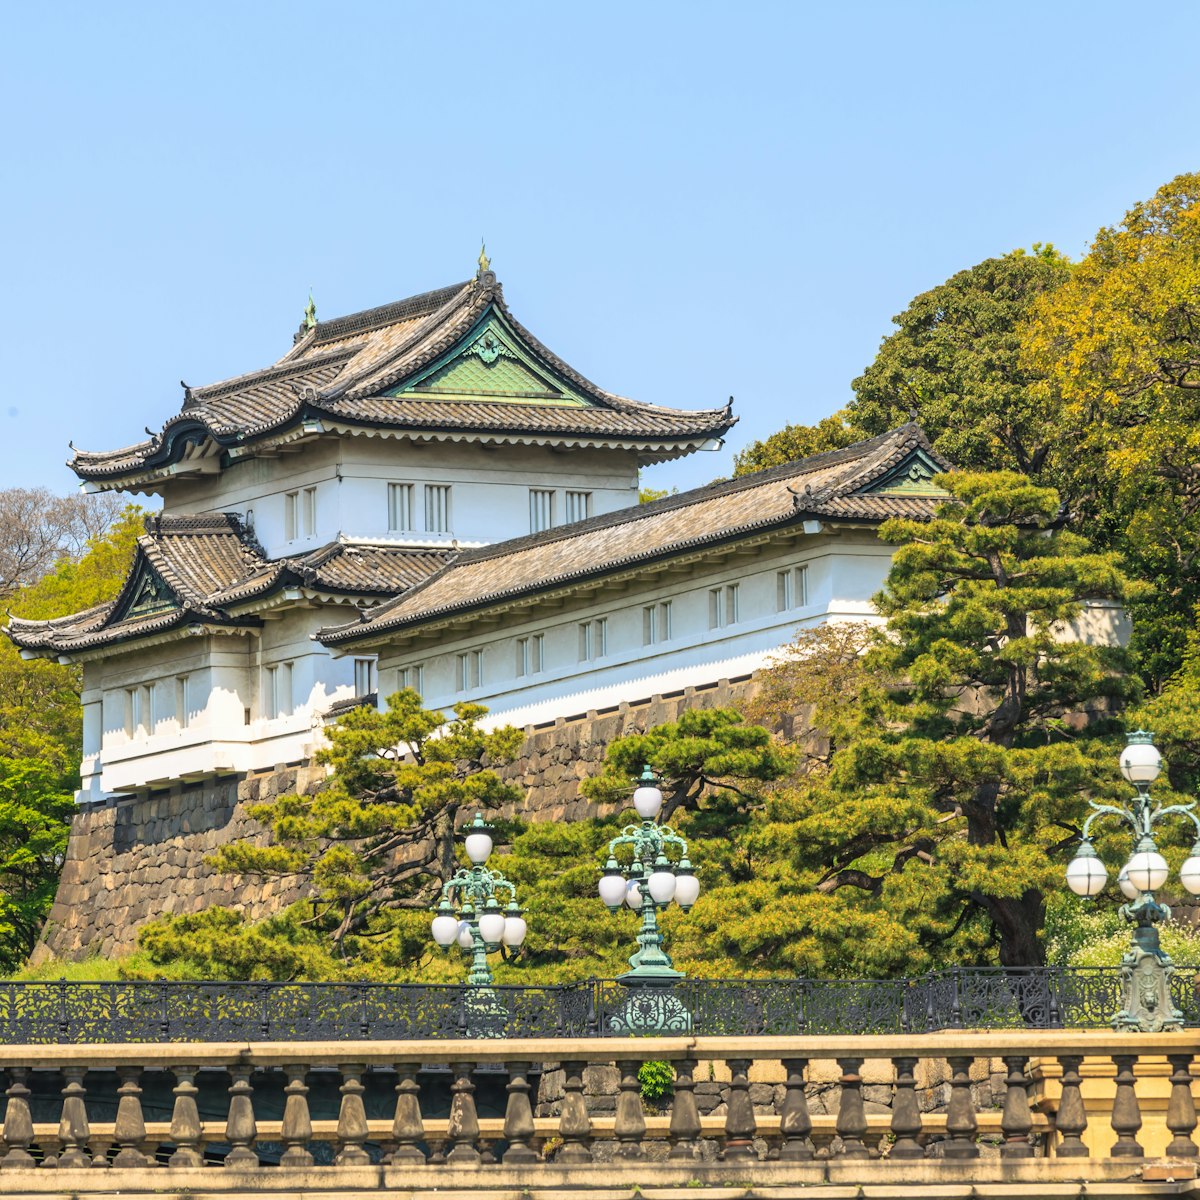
(836, 485)
(345, 369)
(210, 565)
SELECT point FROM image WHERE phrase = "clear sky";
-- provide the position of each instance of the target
(684, 200)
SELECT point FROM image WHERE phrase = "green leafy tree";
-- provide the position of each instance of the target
(955, 363)
(799, 441)
(1118, 348)
(950, 780)
(380, 836)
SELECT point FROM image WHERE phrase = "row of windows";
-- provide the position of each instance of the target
(144, 704)
(434, 515)
(543, 503)
(724, 609)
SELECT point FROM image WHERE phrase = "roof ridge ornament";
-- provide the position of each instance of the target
(485, 263)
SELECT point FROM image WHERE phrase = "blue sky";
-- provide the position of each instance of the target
(684, 200)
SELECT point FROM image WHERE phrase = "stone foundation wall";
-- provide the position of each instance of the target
(142, 858)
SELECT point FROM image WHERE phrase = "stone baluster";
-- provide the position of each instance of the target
(296, 1131)
(740, 1125)
(629, 1124)
(961, 1125)
(1181, 1108)
(352, 1128)
(906, 1112)
(241, 1129)
(18, 1123)
(73, 1128)
(1126, 1115)
(408, 1129)
(1071, 1118)
(574, 1124)
(129, 1129)
(1016, 1120)
(795, 1125)
(851, 1117)
(685, 1128)
(463, 1129)
(186, 1130)
(518, 1116)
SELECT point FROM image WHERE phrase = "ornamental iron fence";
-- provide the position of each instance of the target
(169, 1011)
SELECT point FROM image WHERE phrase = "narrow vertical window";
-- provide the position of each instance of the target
(148, 697)
(291, 503)
(271, 693)
(579, 505)
(541, 509)
(437, 508)
(732, 615)
(522, 657)
(285, 683)
(802, 586)
(585, 641)
(183, 701)
(649, 625)
(400, 507)
(783, 591)
(536, 645)
(364, 676)
(601, 646)
(664, 621)
(412, 677)
(476, 668)
(716, 609)
(310, 512)
(133, 710)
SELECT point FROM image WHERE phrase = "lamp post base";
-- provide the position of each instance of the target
(1146, 979)
(651, 1006)
(484, 1013)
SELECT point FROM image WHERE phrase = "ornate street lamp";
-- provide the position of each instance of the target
(1146, 968)
(482, 923)
(648, 883)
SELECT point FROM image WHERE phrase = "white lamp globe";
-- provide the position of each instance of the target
(1189, 873)
(491, 927)
(479, 847)
(633, 895)
(1127, 888)
(662, 886)
(514, 930)
(687, 888)
(444, 929)
(648, 801)
(1086, 875)
(1140, 761)
(612, 890)
(466, 938)
(1147, 870)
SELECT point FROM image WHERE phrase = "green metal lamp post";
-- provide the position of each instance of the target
(481, 924)
(647, 884)
(1146, 968)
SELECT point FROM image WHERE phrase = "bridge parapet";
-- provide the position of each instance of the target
(139, 1112)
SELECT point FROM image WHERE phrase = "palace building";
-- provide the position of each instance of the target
(423, 495)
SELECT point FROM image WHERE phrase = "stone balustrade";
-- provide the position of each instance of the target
(101, 1097)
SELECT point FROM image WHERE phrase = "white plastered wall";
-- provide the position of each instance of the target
(489, 496)
(844, 570)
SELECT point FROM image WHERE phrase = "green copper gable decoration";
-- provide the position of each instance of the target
(912, 476)
(492, 364)
(148, 595)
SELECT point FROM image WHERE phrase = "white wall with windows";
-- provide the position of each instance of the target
(660, 633)
(382, 489)
(212, 703)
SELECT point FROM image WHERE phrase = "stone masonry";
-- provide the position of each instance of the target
(141, 858)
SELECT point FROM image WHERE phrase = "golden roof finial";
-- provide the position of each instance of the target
(310, 312)
(485, 263)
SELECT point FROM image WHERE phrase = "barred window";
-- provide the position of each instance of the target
(437, 508)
